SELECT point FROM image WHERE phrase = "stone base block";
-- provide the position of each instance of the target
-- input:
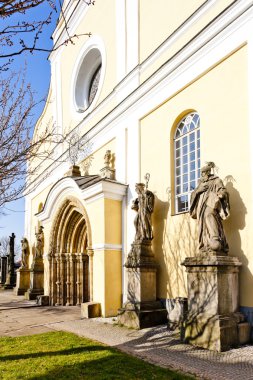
(8, 286)
(217, 333)
(244, 331)
(19, 291)
(90, 310)
(32, 294)
(142, 316)
(42, 300)
(23, 282)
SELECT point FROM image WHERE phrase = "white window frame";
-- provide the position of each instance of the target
(91, 56)
(186, 160)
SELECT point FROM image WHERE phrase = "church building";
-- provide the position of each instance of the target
(147, 93)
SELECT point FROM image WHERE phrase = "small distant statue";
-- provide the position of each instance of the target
(11, 244)
(39, 243)
(25, 253)
(144, 206)
(209, 205)
(107, 158)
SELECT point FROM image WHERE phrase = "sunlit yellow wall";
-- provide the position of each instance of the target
(99, 278)
(113, 217)
(107, 280)
(96, 215)
(220, 98)
(105, 219)
(113, 282)
(161, 20)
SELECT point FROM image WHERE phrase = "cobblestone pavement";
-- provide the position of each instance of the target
(156, 345)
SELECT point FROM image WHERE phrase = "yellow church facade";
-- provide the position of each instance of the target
(159, 88)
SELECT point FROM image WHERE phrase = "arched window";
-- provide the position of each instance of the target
(187, 160)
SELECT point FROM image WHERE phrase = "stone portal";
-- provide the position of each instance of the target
(69, 259)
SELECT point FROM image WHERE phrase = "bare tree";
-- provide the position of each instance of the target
(24, 34)
(20, 154)
(4, 246)
(17, 147)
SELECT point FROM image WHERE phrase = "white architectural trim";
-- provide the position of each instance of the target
(120, 22)
(67, 187)
(226, 34)
(94, 42)
(182, 30)
(108, 190)
(62, 189)
(132, 30)
(107, 247)
(73, 16)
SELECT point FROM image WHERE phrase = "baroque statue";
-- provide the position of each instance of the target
(210, 205)
(25, 253)
(39, 242)
(144, 206)
(141, 252)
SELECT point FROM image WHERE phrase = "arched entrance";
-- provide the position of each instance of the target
(69, 260)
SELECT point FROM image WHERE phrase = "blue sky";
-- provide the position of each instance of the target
(38, 75)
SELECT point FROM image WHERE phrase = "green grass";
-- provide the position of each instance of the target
(60, 355)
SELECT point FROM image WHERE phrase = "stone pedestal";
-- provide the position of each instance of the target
(23, 281)
(107, 173)
(213, 320)
(142, 308)
(74, 171)
(36, 280)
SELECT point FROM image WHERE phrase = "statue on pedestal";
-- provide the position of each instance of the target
(141, 253)
(142, 308)
(144, 206)
(39, 243)
(25, 253)
(210, 205)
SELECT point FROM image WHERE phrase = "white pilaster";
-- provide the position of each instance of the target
(132, 28)
(121, 38)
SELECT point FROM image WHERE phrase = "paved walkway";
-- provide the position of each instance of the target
(156, 345)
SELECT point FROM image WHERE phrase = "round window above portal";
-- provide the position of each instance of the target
(88, 79)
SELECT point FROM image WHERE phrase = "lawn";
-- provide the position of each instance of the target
(60, 355)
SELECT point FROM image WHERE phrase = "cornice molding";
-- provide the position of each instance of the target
(67, 187)
(224, 35)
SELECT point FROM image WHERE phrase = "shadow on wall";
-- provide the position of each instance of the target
(175, 238)
(236, 223)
